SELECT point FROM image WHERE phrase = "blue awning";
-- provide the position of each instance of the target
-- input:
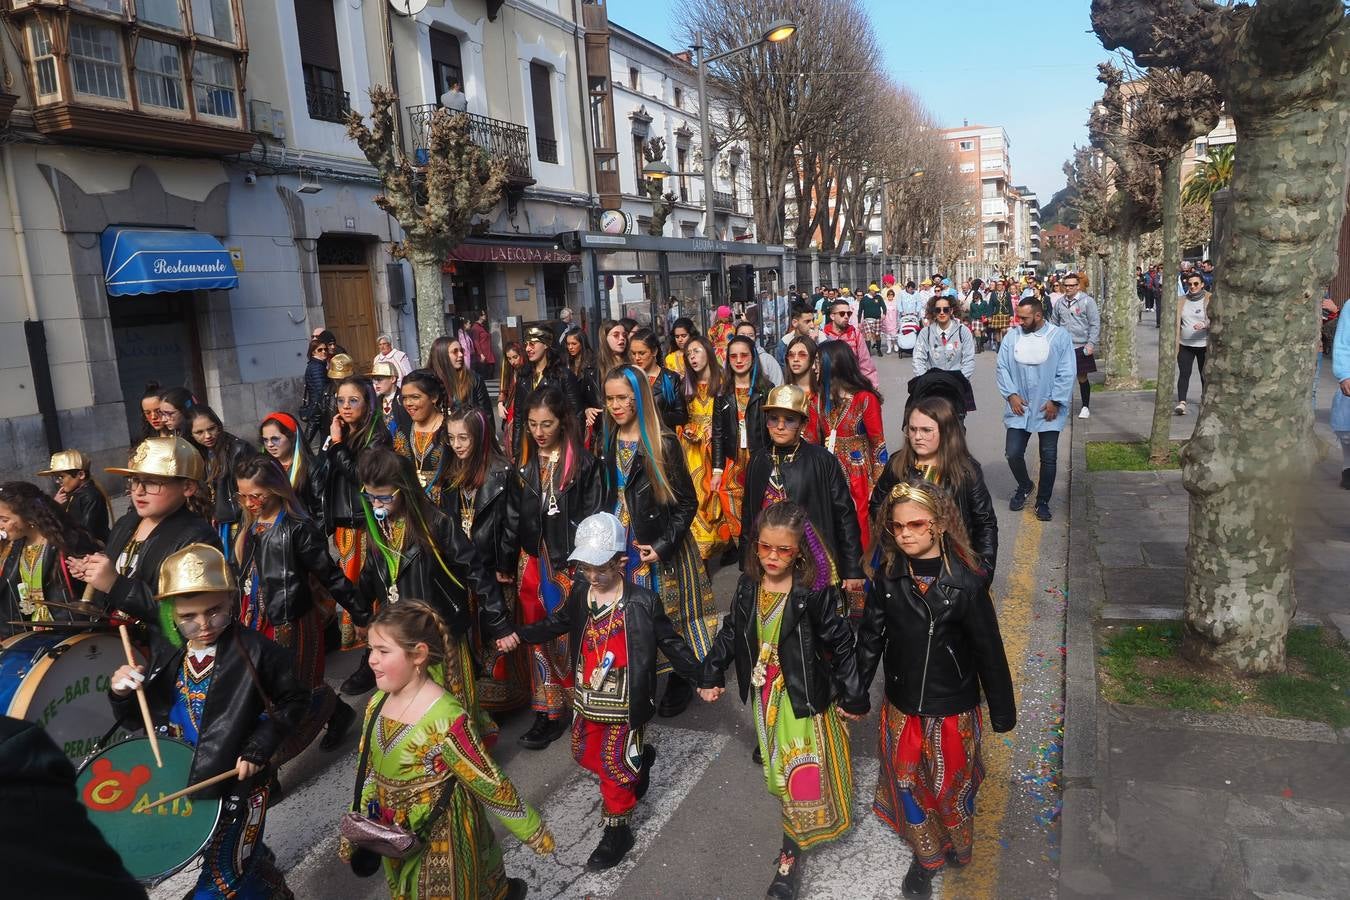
(143, 261)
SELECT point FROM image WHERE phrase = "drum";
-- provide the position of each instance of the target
(60, 681)
(116, 786)
(909, 332)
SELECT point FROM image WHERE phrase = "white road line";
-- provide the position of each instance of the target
(573, 814)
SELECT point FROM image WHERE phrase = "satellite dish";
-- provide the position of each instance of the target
(407, 7)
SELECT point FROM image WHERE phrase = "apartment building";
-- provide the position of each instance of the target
(1026, 226)
(982, 159)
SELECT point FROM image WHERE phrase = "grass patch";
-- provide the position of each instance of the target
(1142, 666)
(1116, 456)
(1148, 384)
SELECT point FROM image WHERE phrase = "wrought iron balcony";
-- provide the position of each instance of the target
(548, 150)
(724, 200)
(506, 140)
(327, 104)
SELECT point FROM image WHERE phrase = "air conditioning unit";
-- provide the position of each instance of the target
(260, 117)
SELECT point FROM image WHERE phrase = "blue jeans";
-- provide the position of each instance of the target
(1015, 449)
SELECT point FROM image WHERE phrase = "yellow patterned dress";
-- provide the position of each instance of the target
(710, 525)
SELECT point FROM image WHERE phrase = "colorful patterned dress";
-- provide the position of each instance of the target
(430, 455)
(408, 768)
(719, 335)
(710, 529)
(853, 433)
(603, 741)
(540, 590)
(807, 763)
(733, 479)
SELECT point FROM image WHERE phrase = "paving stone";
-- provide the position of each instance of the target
(1144, 587)
(1297, 867)
(1112, 500)
(1119, 554)
(1255, 813)
(1164, 553)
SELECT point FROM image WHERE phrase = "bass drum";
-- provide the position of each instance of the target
(909, 332)
(60, 681)
(117, 785)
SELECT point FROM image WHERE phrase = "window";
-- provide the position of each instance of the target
(734, 168)
(446, 65)
(214, 86)
(967, 168)
(112, 6)
(1201, 148)
(44, 62)
(214, 19)
(320, 60)
(541, 89)
(682, 163)
(679, 98)
(96, 60)
(164, 13)
(159, 74)
(634, 77)
(966, 145)
(639, 161)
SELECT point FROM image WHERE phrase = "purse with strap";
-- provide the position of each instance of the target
(378, 837)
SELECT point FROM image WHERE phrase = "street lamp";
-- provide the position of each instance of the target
(779, 30)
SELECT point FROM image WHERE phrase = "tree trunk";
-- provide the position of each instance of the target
(1159, 438)
(1123, 371)
(430, 302)
(1253, 441)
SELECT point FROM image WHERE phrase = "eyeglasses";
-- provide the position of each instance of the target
(190, 627)
(921, 430)
(275, 440)
(256, 498)
(151, 488)
(382, 499)
(1196, 282)
(942, 309)
(917, 526)
(348, 402)
(770, 551)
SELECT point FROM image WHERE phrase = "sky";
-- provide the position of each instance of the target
(1028, 66)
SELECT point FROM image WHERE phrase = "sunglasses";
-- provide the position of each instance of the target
(942, 309)
(348, 402)
(1196, 283)
(771, 551)
(844, 313)
(276, 439)
(917, 526)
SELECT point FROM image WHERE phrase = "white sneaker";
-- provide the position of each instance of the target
(1179, 409)
(1085, 413)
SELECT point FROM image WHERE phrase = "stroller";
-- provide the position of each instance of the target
(910, 326)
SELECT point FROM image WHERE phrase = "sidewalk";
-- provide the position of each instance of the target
(1166, 804)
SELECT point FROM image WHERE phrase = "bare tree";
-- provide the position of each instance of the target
(1280, 67)
(435, 204)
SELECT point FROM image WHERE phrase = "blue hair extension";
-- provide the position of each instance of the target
(825, 386)
(631, 375)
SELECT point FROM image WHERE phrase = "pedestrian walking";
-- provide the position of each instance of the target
(484, 356)
(1193, 338)
(681, 330)
(36, 584)
(802, 324)
(1035, 377)
(461, 385)
(840, 328)
(721, 331)
(280, 438)
(946, 344)
(543, 368)
(580, 361)
(702, 386)
(871, 308)
(803, 370)
(513, 365)
(766, 364)
(737, 432)
(151, 423)
(930, 617)
(1340, 401)
(890, 323)
(385, 377)
(223, 452)
(1077, 313)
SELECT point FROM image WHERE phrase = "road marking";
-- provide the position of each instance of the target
(980, 879)
(572, 813)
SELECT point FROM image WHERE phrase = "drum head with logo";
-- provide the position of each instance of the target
(117, 786)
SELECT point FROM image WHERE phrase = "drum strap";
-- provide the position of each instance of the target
(441, 803)
(257, 681)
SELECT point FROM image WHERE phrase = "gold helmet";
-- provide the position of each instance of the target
(66, 461)
(539, 333)
(380, 369)
(166, 457)
(787, 398)
(196, 569)
(341, 366)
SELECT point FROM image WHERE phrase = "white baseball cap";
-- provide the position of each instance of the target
(599, 538)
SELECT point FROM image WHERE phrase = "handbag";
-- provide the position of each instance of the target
(374, 837)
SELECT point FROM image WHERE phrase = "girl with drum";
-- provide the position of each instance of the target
(79, 494)
(229, 693)
(282, 552)
(34, 567)
(168, 512)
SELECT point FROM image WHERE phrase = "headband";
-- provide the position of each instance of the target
(914, 494)
(285, 419)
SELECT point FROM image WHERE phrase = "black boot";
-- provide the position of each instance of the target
(645, 776)
(339, 723)
(676, 698)
(1345, 479)
(918, 881)
(787, 878)
(534, 738)
(362, 680)
(613, 847)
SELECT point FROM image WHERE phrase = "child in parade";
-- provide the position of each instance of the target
(614, 629)
(422, 439)
(644, 352)
(513, 363)
(35, 580)
(152, 425)
(164, 480)
(802, 365)
(929, 614)
(648, 488)
(175, 412)
(281, 438)
(703, 392)
(424, 766)
(791, 645)
(738, 425)
(475, 498)
(461, 385)
(232, 695)
(384, 375)
(543, 368)
(555, 485)
(79, 494)
(281, 550)
(413, 550)
(721, 331)
(223, 452)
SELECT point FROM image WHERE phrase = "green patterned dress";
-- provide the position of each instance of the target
(409, 766)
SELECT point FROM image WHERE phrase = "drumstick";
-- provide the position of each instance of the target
(190, 789)
(140, 696)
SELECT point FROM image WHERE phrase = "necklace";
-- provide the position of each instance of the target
(548, 462)
(402, 716)
(466, 501)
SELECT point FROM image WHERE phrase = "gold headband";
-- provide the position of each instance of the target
(914, 494)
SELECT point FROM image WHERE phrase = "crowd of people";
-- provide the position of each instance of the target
(552, 549)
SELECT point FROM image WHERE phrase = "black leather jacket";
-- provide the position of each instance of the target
(57, 584)
(973, 500)
(940, 648)
(526, 523)
(815, 649)
(90, 510)
(287, 555)
(224, 507)
(814, 480)
(671, 407)
(235, 721)
(647, 629)
(310, 488)
(557, 377)
(663, 525)
(342, 499)
(726, 427)
(489, 518)
(135, 594)
(421, 577)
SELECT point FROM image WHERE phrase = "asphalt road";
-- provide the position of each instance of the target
(708, 828)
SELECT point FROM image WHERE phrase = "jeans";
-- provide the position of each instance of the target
(1015, 449)
(1185, 357)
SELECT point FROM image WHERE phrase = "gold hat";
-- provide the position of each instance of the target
(539, 333)
(381, 369)
(167, 457)
(66, 461)
(341, 366)
(787, 398)
(196, 569)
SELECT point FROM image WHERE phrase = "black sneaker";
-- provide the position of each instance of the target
(339, 723)
(918, 881)
(757, 757)
(645, 776)
(535, 738)
(787, 878)
(1043, 512)
(362, 680)
(1019, 500)
(676, 698)
(613, 847)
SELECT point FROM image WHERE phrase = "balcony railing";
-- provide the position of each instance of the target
(724, 200)
(548, 149)
(327, 104)
(505, 140)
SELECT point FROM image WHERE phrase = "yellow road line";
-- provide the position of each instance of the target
(979, 881)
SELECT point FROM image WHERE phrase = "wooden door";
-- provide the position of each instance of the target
(349, 310)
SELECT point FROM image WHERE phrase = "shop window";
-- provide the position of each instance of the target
(214, 85)
(159, 74)
(96, 60)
